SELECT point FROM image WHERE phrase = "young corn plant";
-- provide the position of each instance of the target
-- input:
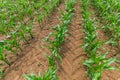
(60, 31)
(50, 74)
(1, 73)
(97, 61)
(48, 7)
(3, 56)
(22, 34)
(96, 64)
(108, 10)
(56, 43)
(51, 61)
(12, 44)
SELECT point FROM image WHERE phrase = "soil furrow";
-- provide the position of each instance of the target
(73, 57)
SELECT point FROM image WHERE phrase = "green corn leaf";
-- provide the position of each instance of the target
(102, 57)
(110, 68)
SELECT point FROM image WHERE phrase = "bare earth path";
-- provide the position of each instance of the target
(73, 55)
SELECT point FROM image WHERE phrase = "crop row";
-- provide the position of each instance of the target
(15, 12)
(108, 11)
(96, 60)
(54, 44)
(13, 26)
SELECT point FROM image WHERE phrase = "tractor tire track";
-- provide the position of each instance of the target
(73, 55)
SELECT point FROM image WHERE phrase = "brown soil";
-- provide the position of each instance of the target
(33, 57)
(73, 55)
(2, 37)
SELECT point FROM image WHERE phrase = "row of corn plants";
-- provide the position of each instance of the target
(109, 13)
(13, 26)
(58, 35)
(15, 37)
(46, 10)
(96, 60)
(13, 13)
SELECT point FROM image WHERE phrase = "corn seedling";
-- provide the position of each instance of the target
(60, 31)
(1, 73)
(97, 61)
(2, 56)
(50, 74)
(47, 9)
(51, 61)
(108, 10)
